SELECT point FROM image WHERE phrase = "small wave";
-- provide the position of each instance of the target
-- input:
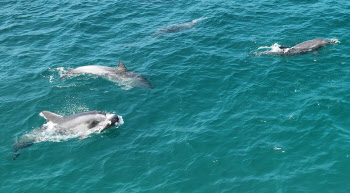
(66, 86)
(126, 87)
(264, 47)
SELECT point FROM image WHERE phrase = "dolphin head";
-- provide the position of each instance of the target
(324, 42)
(133, 79)
(141, 81)
(112, 120)
(130, 78)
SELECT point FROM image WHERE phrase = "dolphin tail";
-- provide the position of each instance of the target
(17, 146)
(21, 145)
(23, 142)
(15, 156)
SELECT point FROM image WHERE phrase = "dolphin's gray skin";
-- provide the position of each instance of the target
(178, 27)
(116, 74)
(304, 47)
(76, 125)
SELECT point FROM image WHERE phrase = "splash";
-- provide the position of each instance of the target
(53, 78)
(274, 48)
(121, 121)
(61, 71)
(334, 41)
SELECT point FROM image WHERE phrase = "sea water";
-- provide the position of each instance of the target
(218, 119)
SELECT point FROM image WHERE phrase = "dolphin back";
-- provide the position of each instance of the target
(312, 44)
(173, 28)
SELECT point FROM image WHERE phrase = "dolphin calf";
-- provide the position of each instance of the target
(118, 74)
(60, 128)
(304, 47)
(173, 28)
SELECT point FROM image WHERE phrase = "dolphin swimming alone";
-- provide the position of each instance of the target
(304, 47)
(173, 28)
(60, 128)
(119, 74)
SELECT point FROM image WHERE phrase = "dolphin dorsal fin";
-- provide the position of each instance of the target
(51, 116)
(121, 66)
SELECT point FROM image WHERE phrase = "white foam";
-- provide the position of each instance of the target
(264, 47)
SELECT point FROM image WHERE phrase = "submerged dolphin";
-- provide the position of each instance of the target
(116, 74)
(65, 127)
(173, 28)
(307, 46)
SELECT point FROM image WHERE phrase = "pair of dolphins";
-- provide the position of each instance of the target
(120, 74)
(85, 123)
(82, 124)
(304, 47)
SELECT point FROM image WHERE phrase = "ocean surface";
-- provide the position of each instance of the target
(218, 119)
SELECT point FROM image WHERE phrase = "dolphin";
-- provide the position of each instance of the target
(60, 127)
(173, 28)
(118, 74)
(302, 48)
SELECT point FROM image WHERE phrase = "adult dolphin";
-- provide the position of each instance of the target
(304, 47)
(173, 28)
(118, 74)
(60, 127)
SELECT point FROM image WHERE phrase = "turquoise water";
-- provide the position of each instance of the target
(217, 120)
